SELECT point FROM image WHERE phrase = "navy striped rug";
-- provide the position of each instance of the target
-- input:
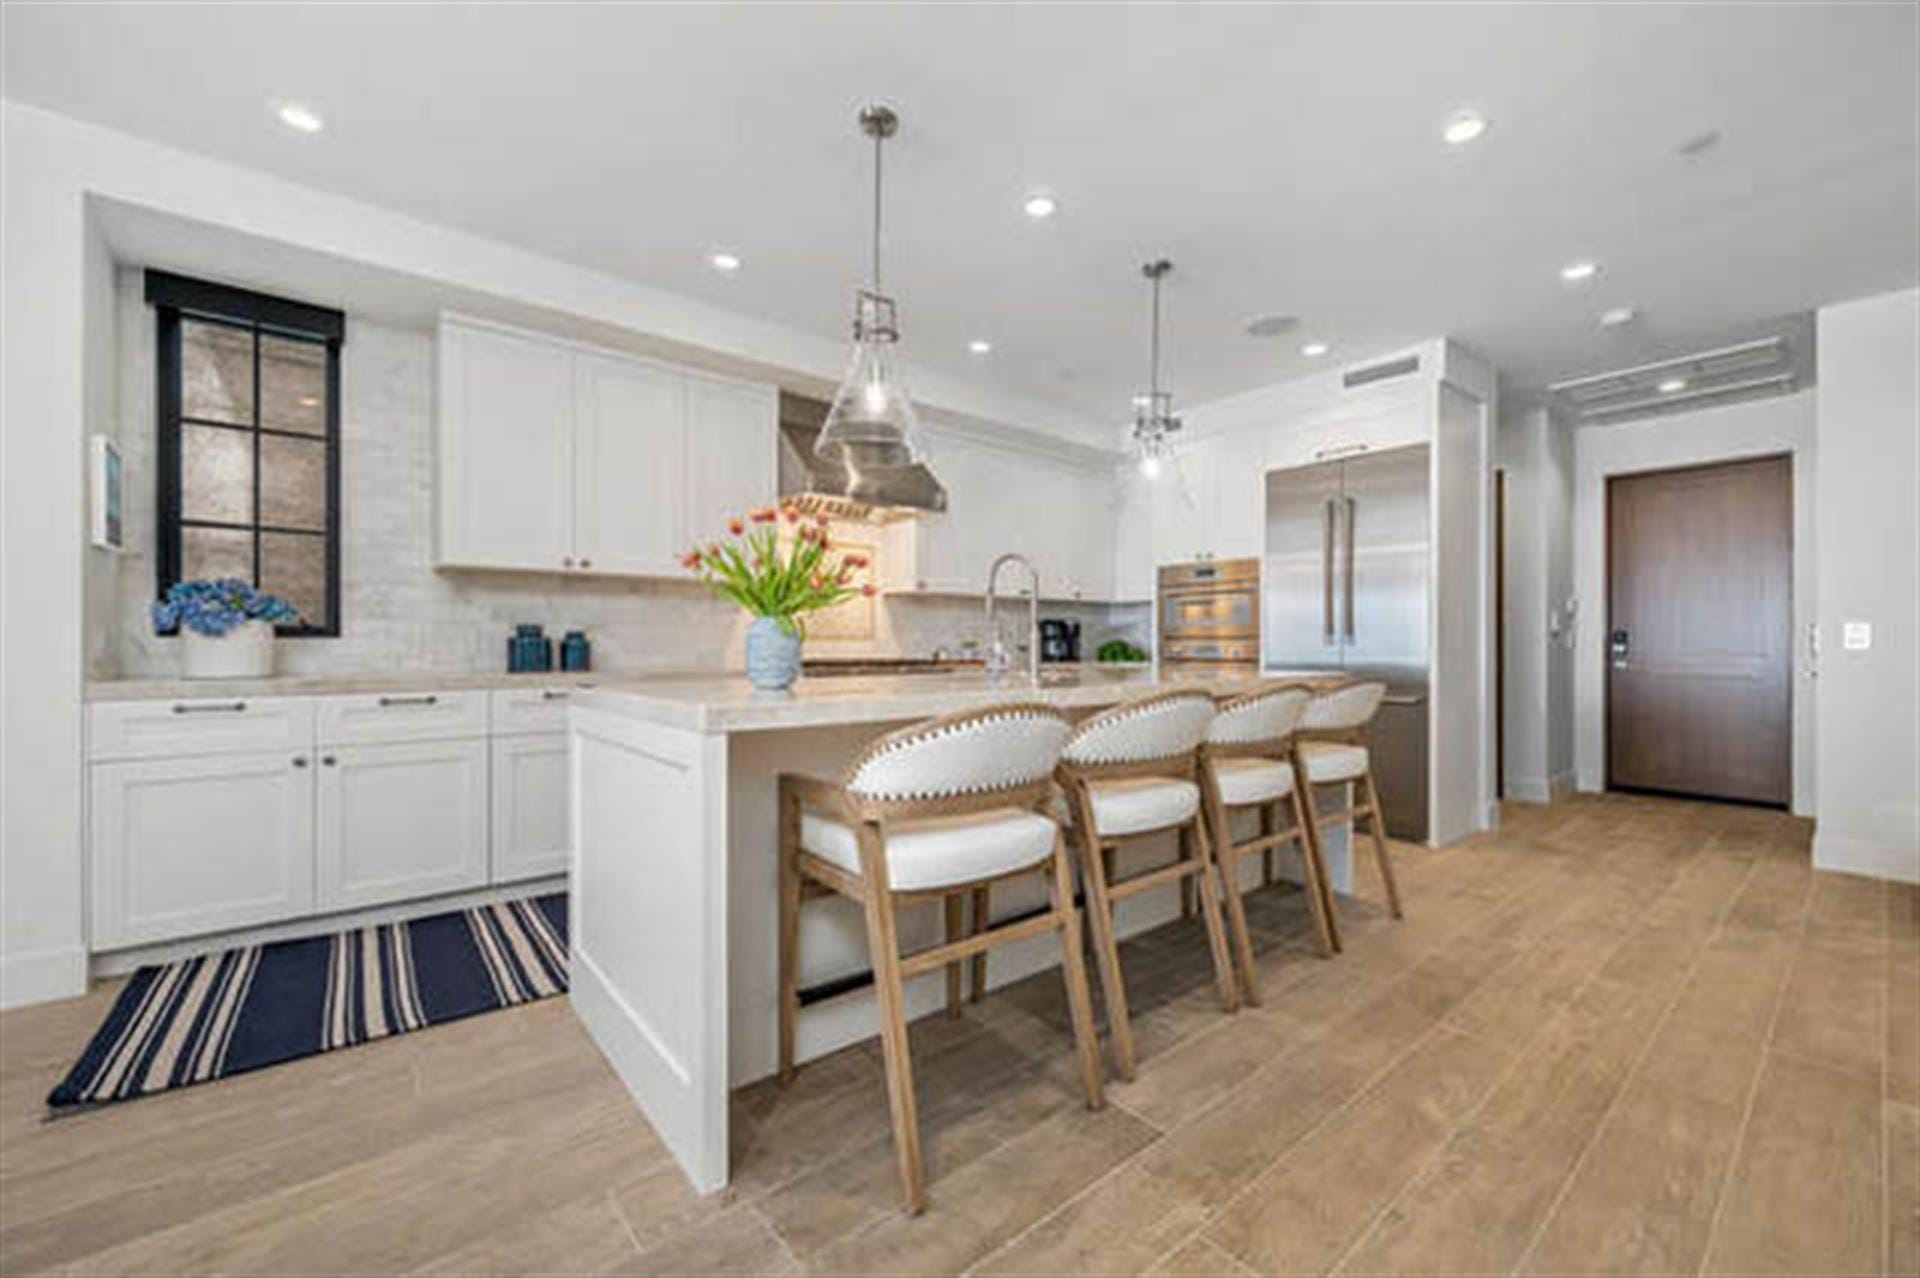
(219, 1014)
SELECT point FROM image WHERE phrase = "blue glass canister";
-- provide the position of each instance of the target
(575, 652)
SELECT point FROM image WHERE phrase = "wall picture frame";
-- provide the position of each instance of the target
(108, 492)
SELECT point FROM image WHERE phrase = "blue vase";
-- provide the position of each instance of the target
(773, 655)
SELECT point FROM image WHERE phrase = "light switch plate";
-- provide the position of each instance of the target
(1857, 636)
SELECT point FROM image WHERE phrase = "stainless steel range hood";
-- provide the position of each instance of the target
(816, 485)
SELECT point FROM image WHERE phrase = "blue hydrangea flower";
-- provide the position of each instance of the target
(215, 607)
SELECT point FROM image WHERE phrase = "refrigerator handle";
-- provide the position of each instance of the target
(1347, 584)
(1326, 573)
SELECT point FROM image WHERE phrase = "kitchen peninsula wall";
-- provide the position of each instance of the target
(398, 613)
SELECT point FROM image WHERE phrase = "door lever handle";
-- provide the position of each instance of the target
(1619, 645)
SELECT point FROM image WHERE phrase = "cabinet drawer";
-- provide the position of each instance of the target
(518, 710)
(197, 725)
(376, 718)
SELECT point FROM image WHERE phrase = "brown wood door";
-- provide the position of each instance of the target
(1700, 631)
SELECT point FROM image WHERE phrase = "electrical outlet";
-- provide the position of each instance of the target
(1857, 636)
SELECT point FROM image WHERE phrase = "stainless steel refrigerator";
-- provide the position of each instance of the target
(1347, 589)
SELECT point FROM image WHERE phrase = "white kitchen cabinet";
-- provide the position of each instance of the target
(400, 821)
(630, 494)
(1133, 561)
(560, 457)
(198, 725)
(530, 807)
(199, 844)
(1002, 498)
(1390, 418)
(505, 450)
(382, 718)
(731, 453)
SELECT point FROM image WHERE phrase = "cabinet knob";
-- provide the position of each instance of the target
(328, 760)
(586, 563)
(567, 562)
(299, 760)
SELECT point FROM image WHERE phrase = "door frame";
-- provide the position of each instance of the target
(1606, 619)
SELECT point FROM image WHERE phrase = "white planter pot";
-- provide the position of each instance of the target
(244, 652)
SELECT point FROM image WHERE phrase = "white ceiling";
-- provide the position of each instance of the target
(1286, 158)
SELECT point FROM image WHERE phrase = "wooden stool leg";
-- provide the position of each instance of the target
(884, 945)
(1306, 810)
(1267, 867)
(1227, 862)
(1194, 847)
(982, 916)
(1073, 966)
(955, 907)
(1319, 894)
(789, 927)
(1093, 862)
(1377, 828)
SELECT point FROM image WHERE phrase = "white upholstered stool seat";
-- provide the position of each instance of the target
(1328, 762)
(1253, 780)
(940, 851)
(1128, 805)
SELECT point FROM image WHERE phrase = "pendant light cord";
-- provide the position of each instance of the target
(1155, 358)
(878, 139)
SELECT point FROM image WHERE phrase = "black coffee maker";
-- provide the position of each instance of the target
(1059, 640)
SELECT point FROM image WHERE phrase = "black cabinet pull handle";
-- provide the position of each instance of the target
(427, 700)
(553, 694)
(220, 707)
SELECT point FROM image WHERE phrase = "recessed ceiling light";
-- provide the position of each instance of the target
(726, 263)
(1463, 127)
(1040, 206)
(1615, 316)
(303, 118)
(1673, 386)
(1314, 350)
(1271, 325)
(1579, 272)
(980, 346)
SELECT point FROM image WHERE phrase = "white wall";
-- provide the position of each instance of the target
(50, 268)
(1869, 555)
(1755, 428)
(1535, 449)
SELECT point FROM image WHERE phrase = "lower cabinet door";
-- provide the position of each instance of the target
(530, 809)
(400, 821)
(187, 846)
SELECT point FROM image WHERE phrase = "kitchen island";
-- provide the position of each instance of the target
(675, 875)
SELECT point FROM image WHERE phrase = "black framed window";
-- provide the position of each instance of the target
(249, 443)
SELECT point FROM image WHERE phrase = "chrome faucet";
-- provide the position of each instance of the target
(999, 660)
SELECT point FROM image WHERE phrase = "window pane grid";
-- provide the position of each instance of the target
(298, 560)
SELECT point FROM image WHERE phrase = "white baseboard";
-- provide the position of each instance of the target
(1560, 785)
(42, 977)
(116, 962)
(1870, 857)
(1529, 790)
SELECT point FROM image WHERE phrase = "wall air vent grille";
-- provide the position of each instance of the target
(1393, 368)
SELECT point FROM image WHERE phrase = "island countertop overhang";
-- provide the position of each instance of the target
(728, 704)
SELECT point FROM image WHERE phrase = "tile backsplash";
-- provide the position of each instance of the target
(398, 613)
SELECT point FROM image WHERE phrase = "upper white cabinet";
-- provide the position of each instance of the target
(629, 460)
(505, 450)
(565, 458)
(732, 454)
(1004, 498)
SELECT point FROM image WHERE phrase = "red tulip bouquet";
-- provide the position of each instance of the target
(779, 566)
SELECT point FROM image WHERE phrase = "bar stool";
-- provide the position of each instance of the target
(1128, 773)
(931, 812)
(1245, 763)
(1327, 750)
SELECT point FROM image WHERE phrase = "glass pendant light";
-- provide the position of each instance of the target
(871, 426)
(1153, 418)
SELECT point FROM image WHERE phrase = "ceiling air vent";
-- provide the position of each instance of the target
(1380, 372)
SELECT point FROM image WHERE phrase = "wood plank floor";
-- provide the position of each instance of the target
(1622, 1036)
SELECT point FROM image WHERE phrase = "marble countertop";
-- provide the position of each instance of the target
(721, 704)
(328, 685)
